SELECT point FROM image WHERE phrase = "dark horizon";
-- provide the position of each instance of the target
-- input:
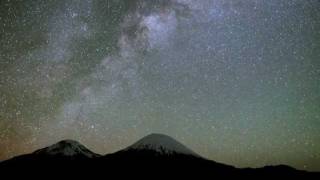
(144, 142)
(236, 81)
(132, 144)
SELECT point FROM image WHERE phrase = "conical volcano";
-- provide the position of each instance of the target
(67, 148)
(161, 144)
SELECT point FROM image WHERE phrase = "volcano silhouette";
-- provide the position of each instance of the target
(153, 156)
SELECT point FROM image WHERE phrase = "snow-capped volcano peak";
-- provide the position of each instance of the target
(162, 144)
(67, 148)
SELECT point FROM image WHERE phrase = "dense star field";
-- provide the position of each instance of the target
(237, 81)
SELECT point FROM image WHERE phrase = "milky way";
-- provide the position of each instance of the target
(237, 81)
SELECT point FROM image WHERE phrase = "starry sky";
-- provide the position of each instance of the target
(237, 81)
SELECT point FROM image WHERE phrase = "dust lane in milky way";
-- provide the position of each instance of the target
(236, 81)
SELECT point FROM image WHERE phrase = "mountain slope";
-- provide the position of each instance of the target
(62, 155)
(161, 144)
(67, 148)
(153, 156)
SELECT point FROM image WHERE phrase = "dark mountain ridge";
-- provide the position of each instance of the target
(156, 154)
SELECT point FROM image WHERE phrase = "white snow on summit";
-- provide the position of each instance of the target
(67, 148)
(162, 144)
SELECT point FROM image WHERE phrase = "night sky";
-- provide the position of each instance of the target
(237, 81)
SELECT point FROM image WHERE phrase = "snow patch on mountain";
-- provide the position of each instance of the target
(162, 144)
(67, 148)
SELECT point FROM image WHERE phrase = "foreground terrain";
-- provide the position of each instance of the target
(153, 156)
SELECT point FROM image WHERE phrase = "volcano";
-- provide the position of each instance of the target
(153, 156)
(67, 148)
(161, 144)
